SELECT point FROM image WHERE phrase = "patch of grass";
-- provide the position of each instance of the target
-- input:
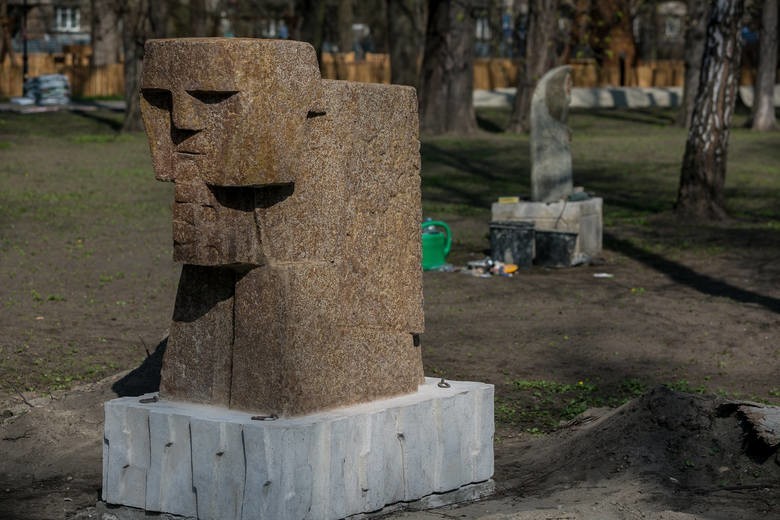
(59, 125)
(99, 98)
(462, 210)
(682, 385)
(94, 138)
(540, 406)
(107, 278)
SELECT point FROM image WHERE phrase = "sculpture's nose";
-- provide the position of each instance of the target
(184, 112)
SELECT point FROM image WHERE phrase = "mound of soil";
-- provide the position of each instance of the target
(678, 451)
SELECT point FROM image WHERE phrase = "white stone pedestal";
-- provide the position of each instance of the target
(582, 217)
(214, 463)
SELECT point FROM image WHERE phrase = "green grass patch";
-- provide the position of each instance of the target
(540, 406)
(682, 385)
(95, 138)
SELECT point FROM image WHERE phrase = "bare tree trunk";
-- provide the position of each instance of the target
(540, 56)
(106, 41)
(446, 92)
(6, 48)
(695, 36)
(133, 38)
(140, 19)
(312, 15)
(703, 173)
(345, 20)
(763, 100)
(406, 37)
(200, 21)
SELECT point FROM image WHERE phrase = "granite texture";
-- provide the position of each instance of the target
(215, 463)
(296, 216)
(551, 177)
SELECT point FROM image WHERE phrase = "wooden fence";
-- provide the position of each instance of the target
(85, 81)
(489, 74)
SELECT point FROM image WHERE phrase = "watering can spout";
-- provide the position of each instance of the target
(435, 244)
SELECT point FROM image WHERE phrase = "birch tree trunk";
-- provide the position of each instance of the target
(703, 172)
(446, 91)
(540, 56)
(763, 100)
(695, 36)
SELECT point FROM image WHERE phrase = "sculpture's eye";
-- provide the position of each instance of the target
(157, 97)
(212, 97)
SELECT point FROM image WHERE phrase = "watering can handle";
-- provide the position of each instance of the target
(439, 223)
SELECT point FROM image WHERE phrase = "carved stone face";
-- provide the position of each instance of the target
(229, 112)
(224, 113)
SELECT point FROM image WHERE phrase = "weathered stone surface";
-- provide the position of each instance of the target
(581, 217)
(326, 465)
(197, 360)
(297, 217)
(312, 357)
(551, 177)
(215, 225)
(228, 111)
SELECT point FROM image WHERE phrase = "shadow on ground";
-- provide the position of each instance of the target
(684, 275)
(144, 379)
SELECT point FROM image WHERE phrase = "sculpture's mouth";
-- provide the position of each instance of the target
(188, 153)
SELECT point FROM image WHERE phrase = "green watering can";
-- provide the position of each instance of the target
(435, 245)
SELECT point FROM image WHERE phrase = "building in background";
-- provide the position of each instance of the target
(52, 25)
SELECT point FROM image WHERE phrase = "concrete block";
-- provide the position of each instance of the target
(581, 217)
(466, 493)
(218, 468)
(126, 445)
(209, 462)
(169, 484)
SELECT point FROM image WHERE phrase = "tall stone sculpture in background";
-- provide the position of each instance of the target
(567, 221)
(551, 178)
(298, 314)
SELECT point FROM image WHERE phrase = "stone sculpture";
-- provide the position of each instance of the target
(297, 219)
(551, 176)
(296, 216)
(555, 210)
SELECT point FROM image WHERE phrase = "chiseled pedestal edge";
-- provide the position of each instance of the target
(467, 493)
(205, 462)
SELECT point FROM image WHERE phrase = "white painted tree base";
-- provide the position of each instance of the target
(214, 463)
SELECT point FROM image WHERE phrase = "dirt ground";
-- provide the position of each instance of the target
(709, 326)
(693, 307)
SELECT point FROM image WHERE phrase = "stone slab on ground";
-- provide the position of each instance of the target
(418, 508)
(211, 462)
